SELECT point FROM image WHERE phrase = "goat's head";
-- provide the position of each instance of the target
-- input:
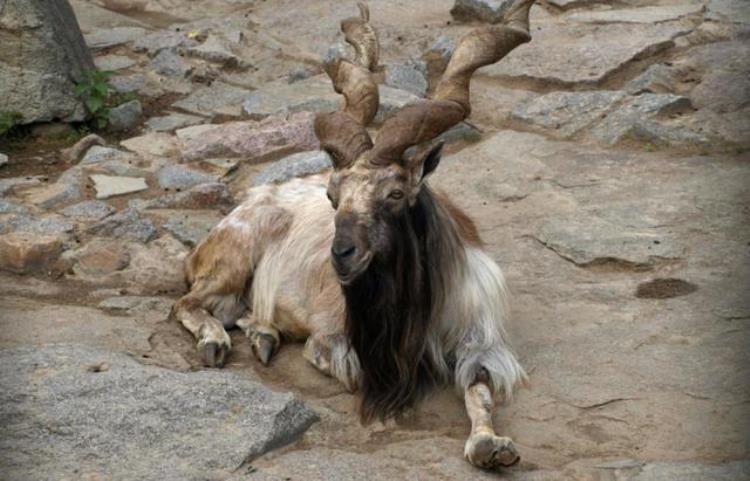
(375, 184)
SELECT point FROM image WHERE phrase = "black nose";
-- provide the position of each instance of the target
(342, 249)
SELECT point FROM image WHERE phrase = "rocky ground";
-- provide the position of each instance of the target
(606, 164)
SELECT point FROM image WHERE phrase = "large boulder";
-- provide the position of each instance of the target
(42, 57)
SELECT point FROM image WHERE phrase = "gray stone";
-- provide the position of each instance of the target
(8, 207)
(218, 98)
(128, 83)
(125, 116)
(722, 91)
(99, 154)
(637, 110)
(407, 77)
(296, 165)
(109, 185)
(179, 177)
(166, 62)
(132, 303)
(736, 11)
(566, 4)
(444, 46)
(47, 225)
(88, 210)
(155, 42)
(111, 63)
(101, 412)
(570, 53)
(490, 11)
(126, 224)
(110, 37)
(651, 14)
(3, 159)
(66, 189)
(153, 144)
(657, 79)
(191, 226)
(567, 113)
(172, 122)
(215, 49)
(214, 195)
(11, 184)
(43, 56)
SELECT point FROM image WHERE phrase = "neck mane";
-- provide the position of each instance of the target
(391, 306)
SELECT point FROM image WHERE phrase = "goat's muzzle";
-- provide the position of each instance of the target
(350, 253)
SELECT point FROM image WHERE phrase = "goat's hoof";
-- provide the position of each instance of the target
(214, 354)
(488, 451)
(264, 345)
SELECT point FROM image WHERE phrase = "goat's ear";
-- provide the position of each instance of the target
(428, 161)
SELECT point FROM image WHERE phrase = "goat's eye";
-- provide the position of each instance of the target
(396, 194)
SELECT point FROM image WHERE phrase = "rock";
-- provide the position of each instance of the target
(38, 80)
(110, 37)
(135, 304)
(92, 17)
(722, 91)
(736, 11)
(172, 122)
(125, 116)
(48, 225)
(569, 53)
(296, 165)
(151, 422)
(567, 113)
(170, 64)
(156, 267)
(154, 43)
(316, 95)
(3, 159)
(214, 195)
(250, 140)
(10, 184)
(444, 47)
(74, 153)
(88, 210)
(128, 83)
(567, 4)
(152, 144)
(111, 63)
(191, 226)
(126, 224)
(101, 256)
(215, 49)
(638, 15)
(588, 239)
(490, 11)
(407, 77)
(8, 207)
(109, 186)
(621, 122)
(98, 154)
(64, 191)
(178, 177)
(217, 99)
(663, 134)
(657, 79)
(25, 252)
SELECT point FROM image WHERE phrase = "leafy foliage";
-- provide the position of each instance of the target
(99, 96)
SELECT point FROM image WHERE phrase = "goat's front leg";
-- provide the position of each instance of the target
(484, 448)
(332, 355)
(213, 340)
(265, 340)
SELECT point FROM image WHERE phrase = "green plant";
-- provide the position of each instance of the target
(9, 120)
(96, 93)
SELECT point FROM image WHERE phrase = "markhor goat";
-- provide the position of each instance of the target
(385, 278)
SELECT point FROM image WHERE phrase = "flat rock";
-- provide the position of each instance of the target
(722, 91)
(580, 54)
(126, 224)
(65, 190)
(152, 423)
(216, 49)
(566, 113)
(9, 185)
(25, 252)
(109, 185)
(295, 165)
(172, 122)
(155, 42)
(101, 256)
(179, 177)
(736, 11)
(217, 99)
(135, 304)
(638, 15)
(213, 195)
(249, 140)
(656, 79)
(43, 225)
(110, 37)
(125, 116)
(111, 63)
(489, 11)
(168, 63)
(128, 83)
(88, 210)
(154, 144)
(9, 207)
(99, 154)
(634, 112)
(190, 226)
(408, 77)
